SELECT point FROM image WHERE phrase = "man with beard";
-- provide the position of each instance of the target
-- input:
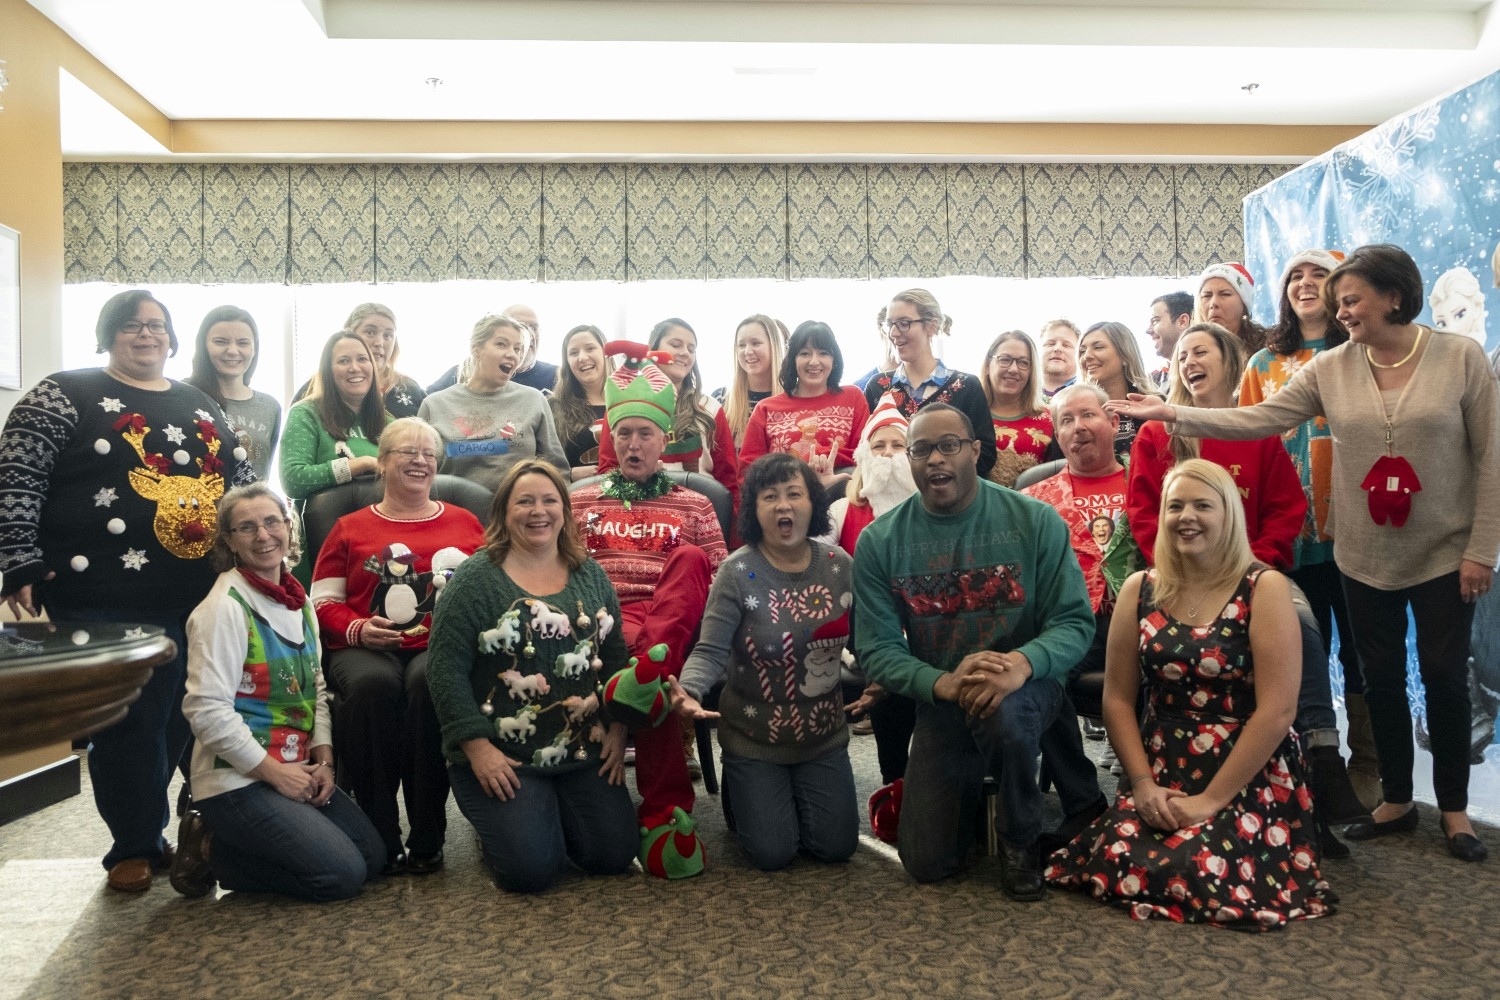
(970, 602)
(882, 479)
(1059, 353)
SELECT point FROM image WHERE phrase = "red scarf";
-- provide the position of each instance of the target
(289, 592)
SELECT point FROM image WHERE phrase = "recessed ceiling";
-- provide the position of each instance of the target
(1347, 62)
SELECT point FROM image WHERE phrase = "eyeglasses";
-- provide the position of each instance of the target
(945, 446)
(902, 326)
(426, 453)
(273, 526)
(135, 326)
(1006, 361)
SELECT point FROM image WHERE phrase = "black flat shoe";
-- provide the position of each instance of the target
(1464, 846)
(1369, 829)
(424, 864)
(394, 865)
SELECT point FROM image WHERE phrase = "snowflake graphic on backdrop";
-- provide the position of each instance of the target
(1382, 172)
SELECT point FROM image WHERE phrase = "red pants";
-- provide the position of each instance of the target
(671, 615)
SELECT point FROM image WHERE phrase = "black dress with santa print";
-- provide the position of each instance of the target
(114, 489)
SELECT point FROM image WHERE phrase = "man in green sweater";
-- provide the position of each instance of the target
(971, 602)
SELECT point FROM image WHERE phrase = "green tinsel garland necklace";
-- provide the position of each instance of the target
(628, 491)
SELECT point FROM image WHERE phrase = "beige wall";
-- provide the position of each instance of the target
(31, 180)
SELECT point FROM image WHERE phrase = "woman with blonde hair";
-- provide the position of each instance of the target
(1213, 821)
(913, 322)
(758, 348)
(1109, 356)
(1022, 422)
(490, 422)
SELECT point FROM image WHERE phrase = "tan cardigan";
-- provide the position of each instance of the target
(1446, 424)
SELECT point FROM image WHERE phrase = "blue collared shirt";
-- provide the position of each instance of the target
(931, 384)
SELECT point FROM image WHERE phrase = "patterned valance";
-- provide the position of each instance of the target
(303, 223)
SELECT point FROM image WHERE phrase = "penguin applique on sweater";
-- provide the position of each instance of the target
(401, 592)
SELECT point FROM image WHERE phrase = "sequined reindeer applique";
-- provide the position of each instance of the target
(186, 506)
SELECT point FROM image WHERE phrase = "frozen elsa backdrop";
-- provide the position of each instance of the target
(1429, 181)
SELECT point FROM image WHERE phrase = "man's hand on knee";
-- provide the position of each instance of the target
(983, 688)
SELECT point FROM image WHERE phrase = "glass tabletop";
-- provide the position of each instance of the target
(26, 645)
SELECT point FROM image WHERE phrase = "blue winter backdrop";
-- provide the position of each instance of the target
(1429, 181)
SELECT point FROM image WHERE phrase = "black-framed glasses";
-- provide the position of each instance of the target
(273, 525)
(1006, 361)
(949, 446)
(903, 326)
(155, 327)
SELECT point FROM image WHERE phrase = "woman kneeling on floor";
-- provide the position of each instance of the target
(267, 816)
(519, 638)
(779, 614)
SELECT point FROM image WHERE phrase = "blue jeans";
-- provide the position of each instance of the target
(1315, 696)
(951, 754)
(266, 842)
(131, 762)
(528, 840)
(780, 807)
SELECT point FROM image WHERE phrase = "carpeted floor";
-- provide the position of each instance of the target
(1413, 922)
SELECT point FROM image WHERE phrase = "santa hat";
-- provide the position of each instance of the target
(1326, 259)
(638, 388)
(1239, 279)
(831, 634)
(886, 414)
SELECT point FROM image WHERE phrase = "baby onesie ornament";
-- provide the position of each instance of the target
(1390, 484)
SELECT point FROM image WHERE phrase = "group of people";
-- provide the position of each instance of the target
(654, 556)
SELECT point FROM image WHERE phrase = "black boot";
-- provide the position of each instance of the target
(1333, 796)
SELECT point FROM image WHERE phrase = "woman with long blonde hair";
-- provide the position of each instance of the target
(1213, 821)
(759, 345)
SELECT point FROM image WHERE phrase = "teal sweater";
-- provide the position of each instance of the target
(541, 729)
(931, 589)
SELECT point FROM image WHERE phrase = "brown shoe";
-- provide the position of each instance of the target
(131, 875)
(191, 874)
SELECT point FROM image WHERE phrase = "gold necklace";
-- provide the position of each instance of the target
(1409, 354)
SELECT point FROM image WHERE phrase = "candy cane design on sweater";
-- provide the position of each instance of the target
(783, 717)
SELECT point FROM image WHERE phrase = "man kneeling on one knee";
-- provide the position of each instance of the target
(971, 602)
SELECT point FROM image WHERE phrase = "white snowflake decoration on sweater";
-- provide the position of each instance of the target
(204, 415)
(174, 434)
(404, 397)
(111, 405)
(134, 558)
(105, 497)
(751, 711)
(751, 602)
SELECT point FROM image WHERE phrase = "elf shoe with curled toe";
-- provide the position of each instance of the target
(672, 850)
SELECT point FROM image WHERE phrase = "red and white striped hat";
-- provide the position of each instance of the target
(886, 414)
(1233, 272)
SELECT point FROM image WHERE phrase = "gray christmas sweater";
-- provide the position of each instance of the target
(777, 639)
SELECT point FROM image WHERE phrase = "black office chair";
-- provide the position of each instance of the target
(723, 503)
(325, 507)
(1035, 474)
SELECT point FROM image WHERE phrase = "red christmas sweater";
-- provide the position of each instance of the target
(632, 544)
(1270, 489)
(346, 592)
(1086, 503)
(836, 418)
(1020, 443)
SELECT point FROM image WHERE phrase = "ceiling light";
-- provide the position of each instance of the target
(1250, 88)
(775, 70)
(434, 82)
